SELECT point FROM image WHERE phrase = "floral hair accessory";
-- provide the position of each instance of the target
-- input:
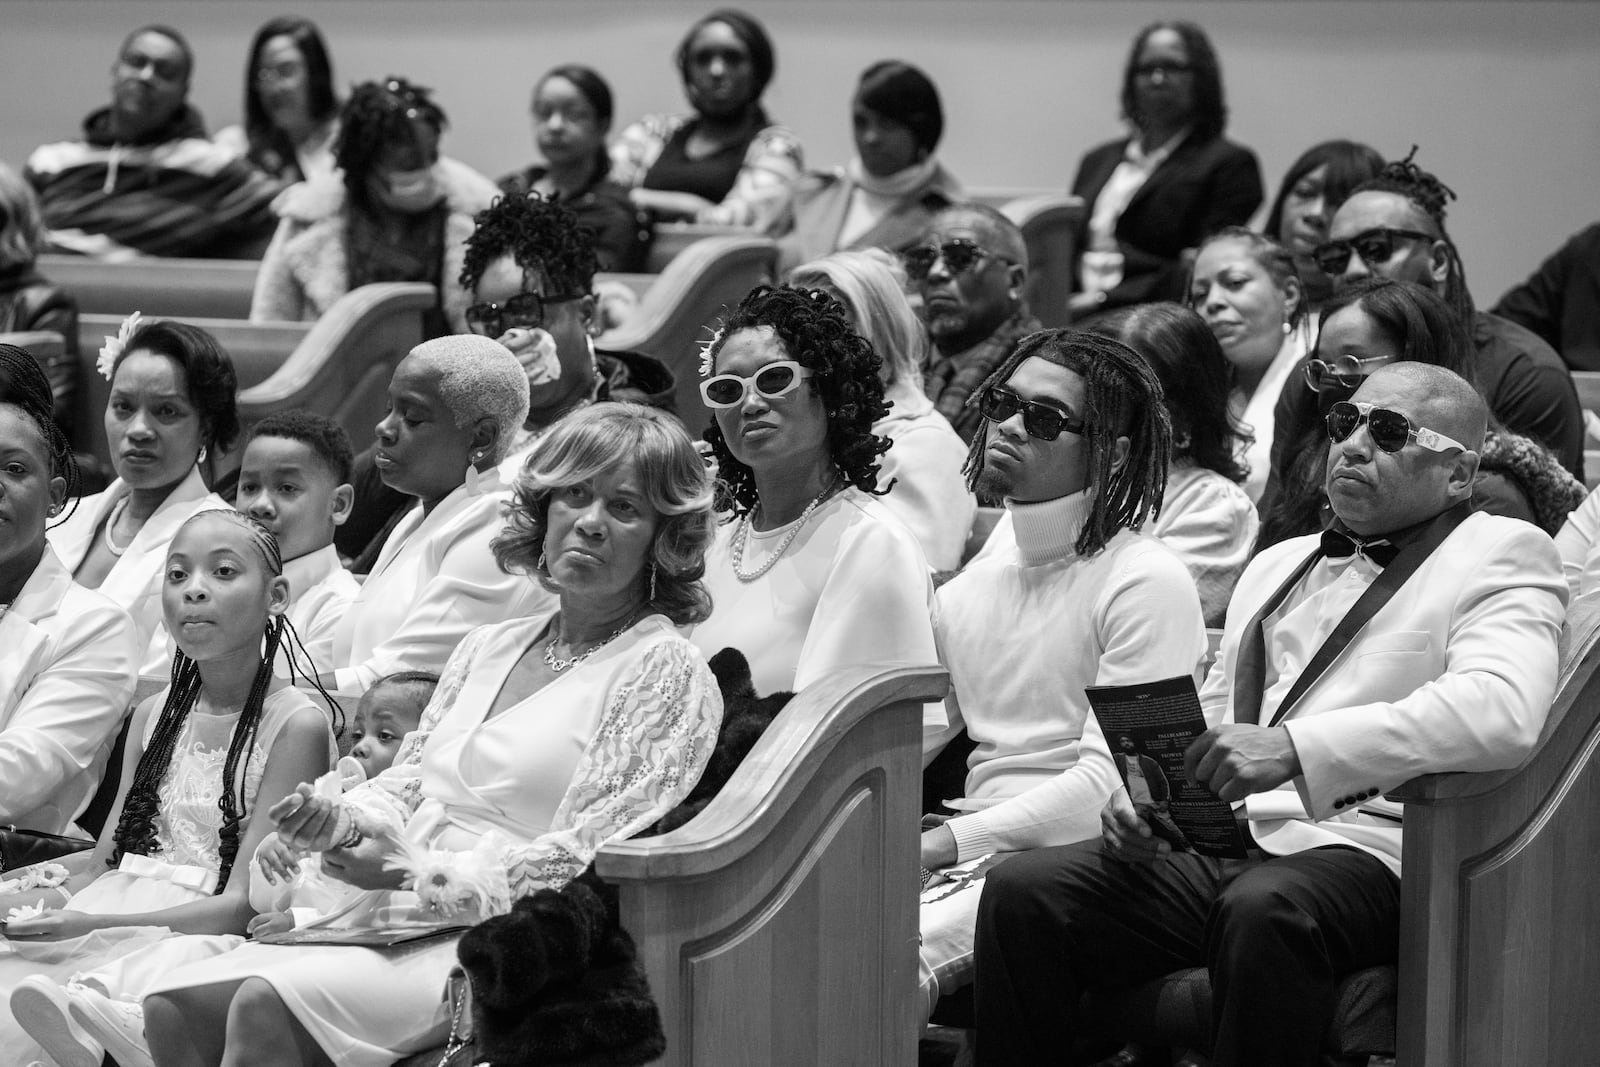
(705, 353)
(114, 345)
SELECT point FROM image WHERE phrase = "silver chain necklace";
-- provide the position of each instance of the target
(558, 665)
(741, 536)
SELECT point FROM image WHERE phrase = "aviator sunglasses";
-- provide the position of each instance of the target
(1389, 430)
(771, 382)
(1343, 370)
(959, 254)
(1373, 246)
(1039, 420)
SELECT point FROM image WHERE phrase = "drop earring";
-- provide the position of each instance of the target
(472, 473)
(652, 581)
(201, 458)
(540, 565)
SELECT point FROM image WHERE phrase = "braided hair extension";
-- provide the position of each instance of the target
(23, 383)
(376, 115)
(136, 833)
(815, 331)
(1122, 398)
(539, 235)
(1430, 196)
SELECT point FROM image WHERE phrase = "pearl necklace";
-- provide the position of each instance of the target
(741, 537)
(558, 665)
(111, 520)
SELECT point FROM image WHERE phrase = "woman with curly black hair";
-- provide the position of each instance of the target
(222, 743)
(173, 404)
(809, 573)
(397, 211)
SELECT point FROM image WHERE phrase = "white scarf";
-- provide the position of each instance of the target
(872, 197)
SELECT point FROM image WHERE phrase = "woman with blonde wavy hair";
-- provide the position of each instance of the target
(547, 736)
(927, 491)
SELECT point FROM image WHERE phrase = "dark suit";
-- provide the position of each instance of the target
(1200, 188)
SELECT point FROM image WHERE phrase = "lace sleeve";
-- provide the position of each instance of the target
(764, 189)
(394, 795)
(657, 732)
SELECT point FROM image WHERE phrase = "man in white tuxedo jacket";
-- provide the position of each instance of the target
(1413, 638)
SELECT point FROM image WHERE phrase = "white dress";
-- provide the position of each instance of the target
(183, 866)
(67, 671)
(851, 589)
(922, 471)
(600, 753)
(134, 582)
(435, 580)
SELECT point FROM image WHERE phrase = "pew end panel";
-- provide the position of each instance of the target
(780, 925)
(679, 312)
(1497, 920)
(1050, 226)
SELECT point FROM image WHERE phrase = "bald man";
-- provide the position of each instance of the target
(1414, 637)
(969, 269)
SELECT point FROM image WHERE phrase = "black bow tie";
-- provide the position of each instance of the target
(1336, 544)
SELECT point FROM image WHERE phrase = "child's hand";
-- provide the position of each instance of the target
(270, 922)
(278, 861)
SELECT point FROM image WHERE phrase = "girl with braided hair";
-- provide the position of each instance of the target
(223, 740)
(810, 572)
(71, 653)
(397, 211)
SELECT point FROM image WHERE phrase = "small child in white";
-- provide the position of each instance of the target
(103, 1008)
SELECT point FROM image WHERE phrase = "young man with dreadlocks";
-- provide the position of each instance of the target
(1076, 441)
(1393, 227)
(222, 743)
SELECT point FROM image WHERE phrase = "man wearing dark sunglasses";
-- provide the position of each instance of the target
(1075, 440)
(1393, 227)
(969, 270)
(1414, 637)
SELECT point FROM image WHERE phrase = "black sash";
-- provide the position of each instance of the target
(1249, 677)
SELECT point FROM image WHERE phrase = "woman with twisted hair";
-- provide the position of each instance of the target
(397, 211)
(71, 654)
(809, 572)
(205, 755)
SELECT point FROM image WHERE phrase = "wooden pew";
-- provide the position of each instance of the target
(1588, 385)
(679, 310)
(779, 926)
(1498, 919)
(160, 288)
(1050, 225)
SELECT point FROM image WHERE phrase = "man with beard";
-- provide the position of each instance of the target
(145, 180)
(969, 270)
(1076, 441)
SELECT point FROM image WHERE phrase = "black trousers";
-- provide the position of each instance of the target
(1277, 935)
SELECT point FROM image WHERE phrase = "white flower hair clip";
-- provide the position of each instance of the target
(114, 345)
(705, 352)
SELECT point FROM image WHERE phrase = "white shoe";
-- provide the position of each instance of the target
(116, 1024)
(42, 1008)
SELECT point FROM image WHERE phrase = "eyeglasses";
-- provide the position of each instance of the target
(959, 254)
(1373, 246)
(283, 72)
(771, 382)
(524, 311)
(1345, 371)
(1389, 430)
(1040, 420)
(1167, 68)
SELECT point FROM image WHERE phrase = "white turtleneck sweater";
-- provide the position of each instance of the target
(1023, 631)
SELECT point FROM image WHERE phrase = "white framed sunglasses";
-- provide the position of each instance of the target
(771, 382)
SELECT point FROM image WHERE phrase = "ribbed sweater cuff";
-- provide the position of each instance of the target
(972, 836)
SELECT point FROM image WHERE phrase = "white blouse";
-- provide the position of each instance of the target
(929, 493)
(1256, 411)
(851, 589)
(134, 582)
(435, 581)
(69, 662)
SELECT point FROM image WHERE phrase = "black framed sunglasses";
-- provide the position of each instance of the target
(1040, 420)
(959, 254)
(1389, 430)
(1374, 246)
(524, 311)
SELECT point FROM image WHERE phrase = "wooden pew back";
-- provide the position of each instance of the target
(779, 926)
(160, 288)
(1050, 225)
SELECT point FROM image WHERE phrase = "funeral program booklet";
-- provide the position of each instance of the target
(1148, 726)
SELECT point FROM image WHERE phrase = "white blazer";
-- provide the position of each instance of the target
(1455, 673)
(435, 580)
(134, 582)
(69, 659)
